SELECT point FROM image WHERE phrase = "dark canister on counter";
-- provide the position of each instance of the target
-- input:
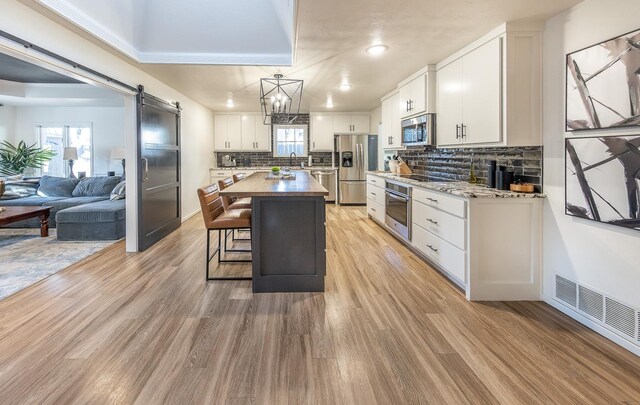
(491, 173)
(504, 178)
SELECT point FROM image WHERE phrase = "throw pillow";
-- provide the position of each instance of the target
(119, 191)
(96, 186)
(56, 186)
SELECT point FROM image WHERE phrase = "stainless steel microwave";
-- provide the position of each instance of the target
(419, 131)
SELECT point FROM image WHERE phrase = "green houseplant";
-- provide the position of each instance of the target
(14, 160)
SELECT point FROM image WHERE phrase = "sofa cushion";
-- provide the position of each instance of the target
(32, 201)
(56, 186)
(119, 192)
(96, 186)
(20, 188)
(101, 211)
(65, 203)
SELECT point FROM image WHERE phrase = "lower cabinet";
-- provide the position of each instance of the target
(447, 256)
(491, 247)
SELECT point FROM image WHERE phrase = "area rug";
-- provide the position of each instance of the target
(26, 258)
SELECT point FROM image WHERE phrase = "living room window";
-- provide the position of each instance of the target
(288, 139)
(58, 137)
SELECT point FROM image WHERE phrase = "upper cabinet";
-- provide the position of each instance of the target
(241, 132)
(227, 132)
(390, 135)
(324, 126)
(416, 94)
(356, 123)
(489, 93)
(321, 132)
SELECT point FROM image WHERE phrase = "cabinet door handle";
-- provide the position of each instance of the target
(373, 193)
(464, 131)
(432, 199)
(373, 209)
(314, 144)
(457, 131)
(432, 221)
(432, 248)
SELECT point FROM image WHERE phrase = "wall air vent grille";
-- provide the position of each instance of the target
(620, 317)
(590, 302)
(566, 291)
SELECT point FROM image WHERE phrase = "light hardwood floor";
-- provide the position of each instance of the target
(145, 328)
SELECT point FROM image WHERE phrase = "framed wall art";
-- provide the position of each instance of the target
(603, 85)
(602, 177)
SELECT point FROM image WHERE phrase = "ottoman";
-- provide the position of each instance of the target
(102, 220)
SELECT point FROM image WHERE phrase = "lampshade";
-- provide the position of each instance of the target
(70, 153)
(117, 153)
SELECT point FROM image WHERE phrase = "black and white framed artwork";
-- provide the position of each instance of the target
(603, 179)
(603, 85)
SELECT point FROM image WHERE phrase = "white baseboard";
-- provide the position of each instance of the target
(592, 325)
(188, 216)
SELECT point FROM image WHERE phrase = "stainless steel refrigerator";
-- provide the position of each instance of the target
(354, 155)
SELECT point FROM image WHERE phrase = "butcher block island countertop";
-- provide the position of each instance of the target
(288, 232)
(257, 185)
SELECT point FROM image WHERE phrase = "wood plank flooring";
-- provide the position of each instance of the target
(146, 329)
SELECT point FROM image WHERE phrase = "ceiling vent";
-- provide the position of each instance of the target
(566, 291)
(609, 312)
(590, 302)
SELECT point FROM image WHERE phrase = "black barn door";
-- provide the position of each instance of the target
(158, 169)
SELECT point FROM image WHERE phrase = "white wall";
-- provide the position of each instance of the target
(374, 123)
(107, 123)
(601, 256)
(197, 121)
(7, 123)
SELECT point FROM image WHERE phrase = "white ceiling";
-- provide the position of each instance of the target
(256, 32)
(331, 41)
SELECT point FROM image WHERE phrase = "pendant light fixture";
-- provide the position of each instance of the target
(279, 96)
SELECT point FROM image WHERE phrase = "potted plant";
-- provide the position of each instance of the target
(15, 160)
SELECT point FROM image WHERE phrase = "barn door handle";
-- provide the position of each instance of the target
(146, 169)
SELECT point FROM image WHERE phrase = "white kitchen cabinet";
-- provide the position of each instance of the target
(321, 132)
(360, 124)
(470, 97)
(390, 135)
(263, 135)
(241, 132)
(489, 246)
(413, 96)
(355, 124)
(489, 93)
(228, 132)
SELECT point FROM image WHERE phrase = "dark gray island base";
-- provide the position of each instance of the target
(288, 235)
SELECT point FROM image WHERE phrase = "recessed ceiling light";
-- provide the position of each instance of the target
(376, 49)
(329, 104)
(230, 103)
(345, 87)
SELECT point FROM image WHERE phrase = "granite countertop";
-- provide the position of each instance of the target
(257, 185)
(459, 188)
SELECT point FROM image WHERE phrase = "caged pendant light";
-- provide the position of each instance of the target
(279, 97)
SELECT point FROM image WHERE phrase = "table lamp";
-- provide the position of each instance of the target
(118, 154)
(70, 154)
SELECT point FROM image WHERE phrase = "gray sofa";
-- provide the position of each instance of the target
(80, 209)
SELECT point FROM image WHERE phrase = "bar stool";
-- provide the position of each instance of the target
(216, 218)
(233, 203)
(237, 177)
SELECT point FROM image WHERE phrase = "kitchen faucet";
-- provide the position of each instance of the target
(291, 155)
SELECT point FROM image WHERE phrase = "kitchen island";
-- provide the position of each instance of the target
(288, 235)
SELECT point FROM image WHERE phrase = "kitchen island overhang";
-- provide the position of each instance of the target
(288, 232)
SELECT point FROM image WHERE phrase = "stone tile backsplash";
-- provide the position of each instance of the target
(455, 163)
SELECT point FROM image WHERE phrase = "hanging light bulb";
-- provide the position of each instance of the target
(279, 96)
(273, 99)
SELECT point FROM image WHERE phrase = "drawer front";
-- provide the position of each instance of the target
(447, 256)
(375, 210)
(441, 201)
(449, 227)
(221, 173)
(375, 180)
(375, 194)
